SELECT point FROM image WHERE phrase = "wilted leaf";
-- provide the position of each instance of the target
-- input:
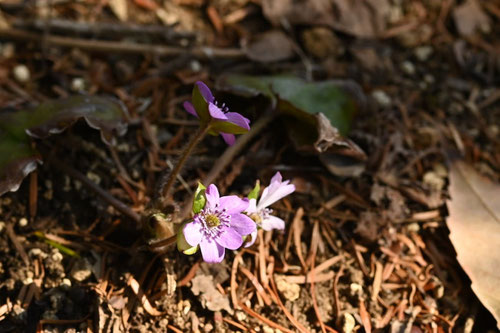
(361, 18)
(211, 298)
(270, 46)
(18, 158)
(474, 224)
(470, 18)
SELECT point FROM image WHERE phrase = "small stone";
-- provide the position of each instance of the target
(2, 225)
(381, 98)
(94, 177)
(413, 227)
(356, 288)
(348, 323)
(21, 73)
(423, 52)
(241, 316)
(8, 50)
(56, 256)
(23, 222)
(36, 252)
(195, 66)
(66, 282)
(77, 84)
(291, 291)
(81, 271)
(408, 67)
(267, 329)
(429, 79)
(432, 179)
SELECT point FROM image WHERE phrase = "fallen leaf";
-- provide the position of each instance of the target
(361, 18)
(18, 158)
(270, 46)
(470, 18)
(211, 298)
(474, 224)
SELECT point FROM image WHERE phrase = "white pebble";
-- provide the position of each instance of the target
(23, 222)
(77, 84)
(423, 52)
(21, 73)
(382, 98)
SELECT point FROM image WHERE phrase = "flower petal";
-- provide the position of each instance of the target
(192, 233)
(252, 206)
(190, 108)
(228, 138)
(230, 239)
(211, 251)
(216, 112)
(212, 195)
(273, 222)
(251, 239)
(243, 224)
(273, 193)
(205, 92)
(238, 119)
(233, 204)
(277, 178)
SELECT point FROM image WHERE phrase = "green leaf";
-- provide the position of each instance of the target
(254, 194)
(248, 86)
(200, 105)
(317, 97)
(226, 127)
(18, 158)
(199, 198)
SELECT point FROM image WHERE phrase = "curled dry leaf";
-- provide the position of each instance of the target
(474, 224)
(17, 156)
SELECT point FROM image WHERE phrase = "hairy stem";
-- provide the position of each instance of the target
(165, 189)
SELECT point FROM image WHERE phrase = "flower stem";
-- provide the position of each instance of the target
(165, 189)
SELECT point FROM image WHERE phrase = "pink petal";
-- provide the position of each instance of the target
(273, 193)
(243, 224)
(273, 222)
(233, 204)
(238, 119)
(276, 178)
(192, 233)
(212, 195)
(216, 112)
(205, 92)
(230, 239)
(228, 138)
(252, 206)
(251, 239)
(190, 108)
(211, 251)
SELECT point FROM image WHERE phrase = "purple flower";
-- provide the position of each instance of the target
(259, 212)
(219, 225)
(222, 121)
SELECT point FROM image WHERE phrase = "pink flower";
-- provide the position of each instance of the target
(219, 225)
(221, 120)
(259, 212)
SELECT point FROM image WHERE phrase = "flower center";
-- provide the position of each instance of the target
(223, 107)
(261, 215)
(212, 220)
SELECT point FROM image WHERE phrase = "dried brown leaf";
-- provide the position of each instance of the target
(474, 224)
(270, 46)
